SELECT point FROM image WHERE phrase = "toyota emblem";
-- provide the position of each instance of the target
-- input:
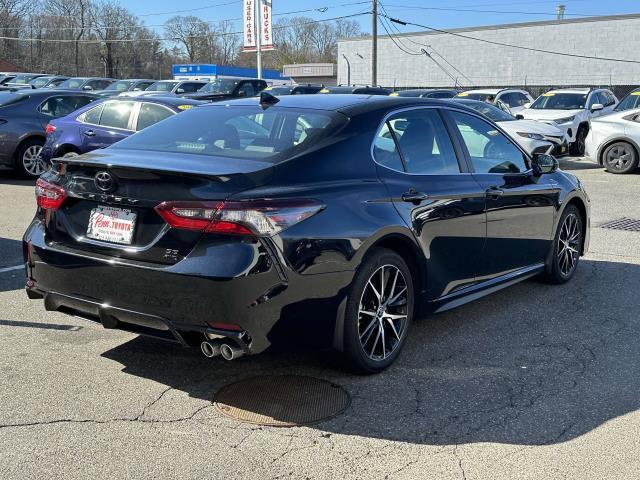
(104, 182)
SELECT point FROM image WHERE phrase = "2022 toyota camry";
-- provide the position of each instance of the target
(329, 218)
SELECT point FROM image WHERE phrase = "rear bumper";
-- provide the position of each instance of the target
(267, 302)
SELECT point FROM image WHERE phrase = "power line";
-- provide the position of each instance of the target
(159, 39)
(520, 47)
(471, 10)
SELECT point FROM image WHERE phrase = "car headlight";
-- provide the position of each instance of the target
(565, 119)
(533, 136)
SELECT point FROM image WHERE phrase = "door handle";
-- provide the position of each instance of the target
(414, 197)
(494, 192)
(90, 133)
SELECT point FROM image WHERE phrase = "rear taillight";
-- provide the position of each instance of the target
(248, 217)
(48, 195)
(49, 129)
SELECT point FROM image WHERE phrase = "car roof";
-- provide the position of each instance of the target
(574, 90)
(488, 91)
(166, 100)
(43, 92)
(346, 103)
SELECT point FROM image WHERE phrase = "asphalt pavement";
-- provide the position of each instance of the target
(534, 382)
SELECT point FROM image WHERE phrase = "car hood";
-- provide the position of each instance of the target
(543, 114)
(531, 126)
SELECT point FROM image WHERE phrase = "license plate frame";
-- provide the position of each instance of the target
(111, 224)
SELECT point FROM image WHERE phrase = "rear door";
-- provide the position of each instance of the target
(520, 208)
(114, 125)
(432, 190)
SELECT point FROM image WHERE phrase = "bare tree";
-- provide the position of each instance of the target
(191, 33)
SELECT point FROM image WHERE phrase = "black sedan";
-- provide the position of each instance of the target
(325, 217)
(24, 116)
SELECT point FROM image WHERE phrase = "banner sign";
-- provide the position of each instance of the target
(249, 11)
(266, 38)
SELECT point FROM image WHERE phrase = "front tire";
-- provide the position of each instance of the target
(379, 311)
(620, 158)
(578, 146)
(567, 246)
(29, 163)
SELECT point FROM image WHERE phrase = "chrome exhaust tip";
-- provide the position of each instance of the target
(230, 352)
(210, 349)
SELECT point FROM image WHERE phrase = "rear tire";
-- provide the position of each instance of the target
(28, 161)
(620, 158)
(566, 247)
(379, 312)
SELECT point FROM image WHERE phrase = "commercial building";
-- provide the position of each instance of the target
(465, 56)
(210, 72)
(324, 73)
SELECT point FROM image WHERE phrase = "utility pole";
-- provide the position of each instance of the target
(348, 69)
(258, 34)
(374, 41)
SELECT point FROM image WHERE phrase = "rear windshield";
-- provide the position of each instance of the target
(630, 101)
(560, 101)
(240, 132)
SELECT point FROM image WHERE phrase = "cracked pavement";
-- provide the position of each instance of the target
(533, 382)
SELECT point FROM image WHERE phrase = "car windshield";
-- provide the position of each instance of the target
(630, 101)
(560, 101)
(120, 85)
(488, 110)
(481, 97)
(22, 79)
(72, 83)
(240, 132)
(278, 90)
(220, 86)
(162, 86)
(39, 82)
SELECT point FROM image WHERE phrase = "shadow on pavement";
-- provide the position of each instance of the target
(578, 163)
(45, 326)
(8, 177)
(531, 365)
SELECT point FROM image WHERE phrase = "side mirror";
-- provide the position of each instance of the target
(86, 88)
(527, 105)
(543, 163)
(596, 106)
(519, 117)
(179, 91)
(242, 93)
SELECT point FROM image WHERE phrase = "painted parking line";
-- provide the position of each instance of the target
(10, 269)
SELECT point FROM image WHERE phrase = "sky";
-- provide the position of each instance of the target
(428, 12)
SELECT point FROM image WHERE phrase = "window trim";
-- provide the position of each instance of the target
(463, 163)
(465, 150)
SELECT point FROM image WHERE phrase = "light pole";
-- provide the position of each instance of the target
(348, 69)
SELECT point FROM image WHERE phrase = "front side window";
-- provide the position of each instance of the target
(247, 90)
(489, 149)
(150, 114)
(191, 87)
(72, 83)
(423, 142)
(162, 86)
(116, 114)
(630, 101)
(120, 86)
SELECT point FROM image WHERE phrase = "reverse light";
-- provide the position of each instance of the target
(248, 217)
(48, 195)
(49, 129)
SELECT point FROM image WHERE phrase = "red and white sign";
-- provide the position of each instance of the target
(248, 15)
(266, 32)
(111, 224)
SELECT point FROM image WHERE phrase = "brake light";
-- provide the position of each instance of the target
(49, 129)
(48, 195)
(248, 217)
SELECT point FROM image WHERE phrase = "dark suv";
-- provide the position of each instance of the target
(226, 88)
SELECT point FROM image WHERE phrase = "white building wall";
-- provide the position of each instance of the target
(492, 65)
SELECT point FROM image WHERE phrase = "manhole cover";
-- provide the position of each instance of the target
(282, 400)
(628, 224)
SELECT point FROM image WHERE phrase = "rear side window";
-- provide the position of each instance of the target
(489, 149)
(92, 116)
(385, 151)
(247, 90)
(116, 114)
(191, 87)
(61, 106)
(243, 132)
(150, 114)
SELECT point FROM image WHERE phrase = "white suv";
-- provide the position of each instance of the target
(513, 98)
(572, 110)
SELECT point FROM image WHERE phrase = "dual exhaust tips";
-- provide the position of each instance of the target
(213, 348)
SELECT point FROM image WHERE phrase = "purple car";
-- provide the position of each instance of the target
(103, 123)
